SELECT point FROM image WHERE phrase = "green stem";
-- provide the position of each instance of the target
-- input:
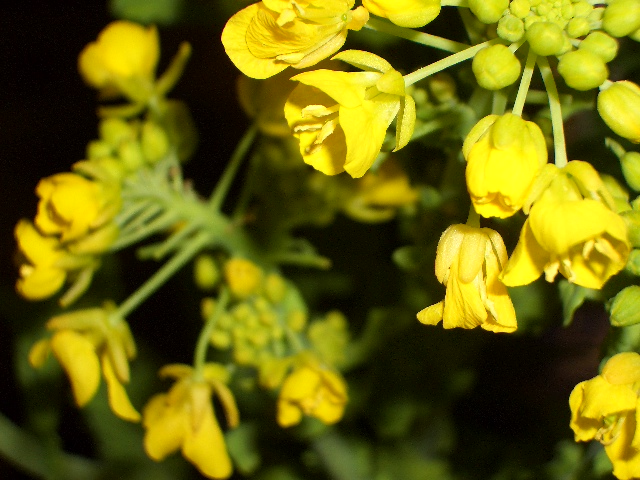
(161, 276)
(499, 104)
(559, 145)
(223, 185)
(525, 83)
(200, 354)
(415, 36)
(446, 62)
(473, 220)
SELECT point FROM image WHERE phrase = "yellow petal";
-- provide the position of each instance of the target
(625, 458)
(463, 305)
(406, 122)
(346, 88)
(364, 60)
(166, 427)
(472, 253)
(39, 283)
(623, 368)
(77, 356)
(39, 353)
(431, 315)
(527, 260)
(405, 13)
(584, 429)
(118, 398)
(602, 399)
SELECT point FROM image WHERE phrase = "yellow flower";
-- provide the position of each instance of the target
(243, 277)
(377, 196)
(468, 262)
(605, 409)
(406, 13)
(84, 342)
(311, 389)
(504, 154)
(123, 59)
(267, 37)
(341, 118)
(581, 238)
(184, 418)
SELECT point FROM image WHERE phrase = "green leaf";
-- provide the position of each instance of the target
(572, 297)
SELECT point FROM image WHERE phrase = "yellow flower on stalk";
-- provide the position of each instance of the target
(71, 205)
(405, 13)
(581, 238)
(85, 342)
(341, 118)
(122, 60)
(468, 262)
(504, 153)
(265, 38)
(184, 419)
(311, 389)
(605, 409)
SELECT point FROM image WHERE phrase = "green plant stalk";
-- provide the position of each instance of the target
(415, 36)
(525, 83)
(202, 345)
(559, 145)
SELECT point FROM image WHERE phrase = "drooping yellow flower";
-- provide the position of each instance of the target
(341, 118)
(605, 408)
(85, 342)
(71, 206)
(311, 389)
(122, 60)
(378, 196)
(504, 154)
(184, 419)
(267, 37)
(581, 238)
(468, 262)
(405, 13)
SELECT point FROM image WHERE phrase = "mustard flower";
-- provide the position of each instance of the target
(85, 342)
(468, 262)
(184, 419)
(405, 13)
(267, 37)
(341, 118)
(71, 206)
(583, 239)
(122, 60)
(504, 154)
(605, 408)
(311, 389)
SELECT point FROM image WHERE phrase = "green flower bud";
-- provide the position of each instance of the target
(632, 220)
(488, 11)
(624, 308)
(99, 149)
(578, 27)
(582, 9)
(619, 107)
(545, 38)
(130, 153)
(621, 17)
(205, 271)
(275, 288)
(603, 45)
(510, 28)
(520, 8)
(115, 131)
(296, 320)
(155, 143)
(582, 69)
(495, 67)
(630, 163)
(567, 11)
(220, 339)
(633, 262)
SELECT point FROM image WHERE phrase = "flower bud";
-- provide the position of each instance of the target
(632, 220)
(115, 130)
(495, 67)
(619, 107)
(578, 27)
(520, 8)
(603, 45)
(633, 262)
(545, 38)
(243, 277)
(205, 272)
(488, 11)
(155, 143)
(630, 163)
(130, 153)
(624, 308)
(582, 69)
(510, 28)
(621, 17)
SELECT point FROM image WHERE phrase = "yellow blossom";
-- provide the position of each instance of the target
(122, 60)
(71, 205)
(468, 262)
(311, 389)
(605, 409)
(243, 277)
(85, 342)
(504, 154)
(265, 38)
(377, 196)
(405, 13)
(581, 238)
(341, 118)
(184, 419)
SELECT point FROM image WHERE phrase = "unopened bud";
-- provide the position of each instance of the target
(633, 262)
(520, 8)
(243, 277)
(632, 220)
(582, 70)
(545, 38)
(130, 153)
(488, 11)
(603, 45)
(621, 17)
(510, 28)
(115, 130)
(578, 27)
(624, 308)
(619, 107)
(155, 143)
(630, 163)
(205, 272)
(495, 67)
